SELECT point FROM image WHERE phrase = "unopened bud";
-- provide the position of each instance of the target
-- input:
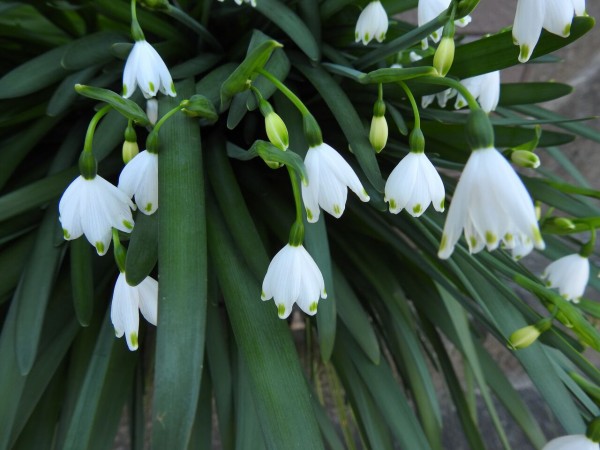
(525, 158)
(277, 131)
(524, 337)
(378, 134)
(130, 149)
(152, 110)
(564, 223)
(444, 56)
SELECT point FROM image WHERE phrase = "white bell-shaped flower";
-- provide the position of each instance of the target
(533, 15)
(485, 88)
(429, 10)
(372, 23)
(414, 184)
(570, 275)
(94, 207)
(491, 205)
(293, 277)
(572, 442)
(127, 301)
(145, 67)
(139, 178)
(329, 176)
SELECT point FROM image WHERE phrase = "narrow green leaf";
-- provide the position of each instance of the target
(34, 75)
(292, 25)
(34, 289)
(16, 148)
(82, 280)
(127, 107)
(195, 66)
(110, 359)
(210, 85)
(142, 252)
(317, 244)
(217, 352)
(12, 261)
(92, 49)
(348, 119)
(355, 317)
(65, 95)
(525, 93)
(282, 399)
(201, 435)
(182, 274)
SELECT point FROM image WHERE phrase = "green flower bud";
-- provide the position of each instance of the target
(564, 223)
(277, 131)
(525, 158)
(312, 131)
(524, 337)
(378, 134)
(130, 149)
(444, 56)
(199, 106)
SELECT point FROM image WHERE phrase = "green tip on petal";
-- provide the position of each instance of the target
(313, 307)
(124, 90)
(442, 204)
(473, 241)
(128, 224)
(524, 55)
(337, 209)
(66, 234)
(490, 237)
(148, 207)
(100, 247)
(367, 37)
(393, 205)
(443, 242)
(417, 208)
(263, 295)
(151, 86)
(134, 340)
(567, 30)
(508, 237)
(537, 236)
(281, 310)
(173, 88)
(309, 214)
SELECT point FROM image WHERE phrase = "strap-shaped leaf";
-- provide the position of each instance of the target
(142, 252)
(182, 278)
(95, 48)
(292, 25)
(282, 399)
(127, 107)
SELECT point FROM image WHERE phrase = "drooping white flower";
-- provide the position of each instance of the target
(429, 10)
(570, 275)
(372, 23)
(572, 442)
(126, 302)
(94, 207)
(145, 67)
(414, 184)
(139, 178)
(441, 97)
(329, 175)
(532, 15)
(491, 205)
(523, 246)
(485, 88)
(293, 277)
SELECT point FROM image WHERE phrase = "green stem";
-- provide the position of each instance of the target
(89, 135)
(380, 91)
(136, 30)
(413, 103)
(297, 193)
(449, 82)
(285, 91)
(164, 118)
